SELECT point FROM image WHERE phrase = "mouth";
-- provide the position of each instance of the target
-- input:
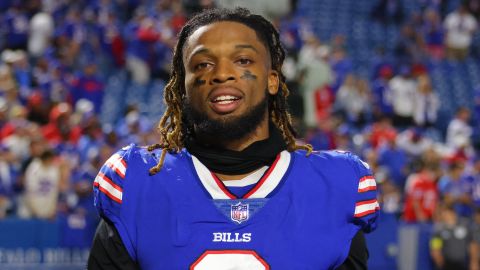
(224, 103)
(225, 99)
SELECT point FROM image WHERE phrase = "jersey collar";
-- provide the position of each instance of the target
(266, 185)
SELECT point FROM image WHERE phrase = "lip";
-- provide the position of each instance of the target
(225, 108)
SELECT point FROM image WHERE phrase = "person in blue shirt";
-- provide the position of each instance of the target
(456, 188)
(228, 186)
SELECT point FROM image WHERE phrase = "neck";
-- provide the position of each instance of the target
(261, 132)
(241, 157)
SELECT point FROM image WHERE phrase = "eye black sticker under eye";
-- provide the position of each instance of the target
(198, 82)
(247, 75)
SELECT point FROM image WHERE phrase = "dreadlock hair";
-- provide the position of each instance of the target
(172, 131)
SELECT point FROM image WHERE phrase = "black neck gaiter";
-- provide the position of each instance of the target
(229, 162)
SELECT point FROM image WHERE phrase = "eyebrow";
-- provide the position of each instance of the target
(199, 51)
(246, 46)
(207, 51)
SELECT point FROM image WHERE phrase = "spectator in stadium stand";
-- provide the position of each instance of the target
(20, 135)
(178, 18)
(88, 85)
(143, 37)
(455, 189)
(427, 103)
(4, 119)
(434, 160)
(82, 180)
(341, 65)
(473, 7)
(36, 147)
(11, 96)
(111, 39)
(476, 116)
(323, 136)
(133, 128)
(402, 96)
(60, 128)
(390, 197)
(292, 28)
(388, 11)
(7, 77)
(414, 142)
(71, 35)
(421, 195)
(81, 216)
(15, 27)
(433, 34)
(44, 77)
(315, 73)
(324, 101)
(43, 184)
(7, 181)
(474, 178)
(395, 160)
(409, 48)
(459, 130)
(344, 138)
(353, 100)
(381, 132)
(91, 138)
(371, 158)
(382, 106)
(21, 70)
(460, 26)
(40, 35)
(37, 109)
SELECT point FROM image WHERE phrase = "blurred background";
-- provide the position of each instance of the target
(394, 81)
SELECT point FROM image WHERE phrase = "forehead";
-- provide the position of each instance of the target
(223, 33)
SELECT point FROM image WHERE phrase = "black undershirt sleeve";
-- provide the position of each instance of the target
(109, 253)
(358, 254)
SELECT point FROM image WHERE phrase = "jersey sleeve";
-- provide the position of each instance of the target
(366, 204)
(109, 190)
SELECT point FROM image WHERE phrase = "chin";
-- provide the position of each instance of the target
(237, 124)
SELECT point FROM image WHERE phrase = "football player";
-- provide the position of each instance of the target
(228, 187)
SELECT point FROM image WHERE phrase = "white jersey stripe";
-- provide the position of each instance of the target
(109, 188)
(207, 180)
(274, 178)
(366, 207)
(117, 164)
(367, 183)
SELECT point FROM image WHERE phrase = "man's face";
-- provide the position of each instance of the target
(227, 73)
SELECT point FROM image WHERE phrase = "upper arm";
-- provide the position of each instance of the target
(109, 189)
(366, 204)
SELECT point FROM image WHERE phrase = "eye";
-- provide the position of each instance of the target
(244, 61)
(202, 66)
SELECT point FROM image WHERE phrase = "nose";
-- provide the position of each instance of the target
(223, 72)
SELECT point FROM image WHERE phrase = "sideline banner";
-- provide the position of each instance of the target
(41, 244)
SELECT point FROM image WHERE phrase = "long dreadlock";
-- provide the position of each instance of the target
(170, 126)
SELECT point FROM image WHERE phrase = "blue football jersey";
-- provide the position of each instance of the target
(302, 213)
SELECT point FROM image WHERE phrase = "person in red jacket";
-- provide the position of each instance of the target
(421, 195)
(60, 128)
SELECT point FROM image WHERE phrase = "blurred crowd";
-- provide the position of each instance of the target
(426, 173)
(56, 57)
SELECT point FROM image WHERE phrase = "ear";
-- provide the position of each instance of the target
(273, 82)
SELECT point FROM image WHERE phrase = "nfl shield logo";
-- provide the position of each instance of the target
(239, 212)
